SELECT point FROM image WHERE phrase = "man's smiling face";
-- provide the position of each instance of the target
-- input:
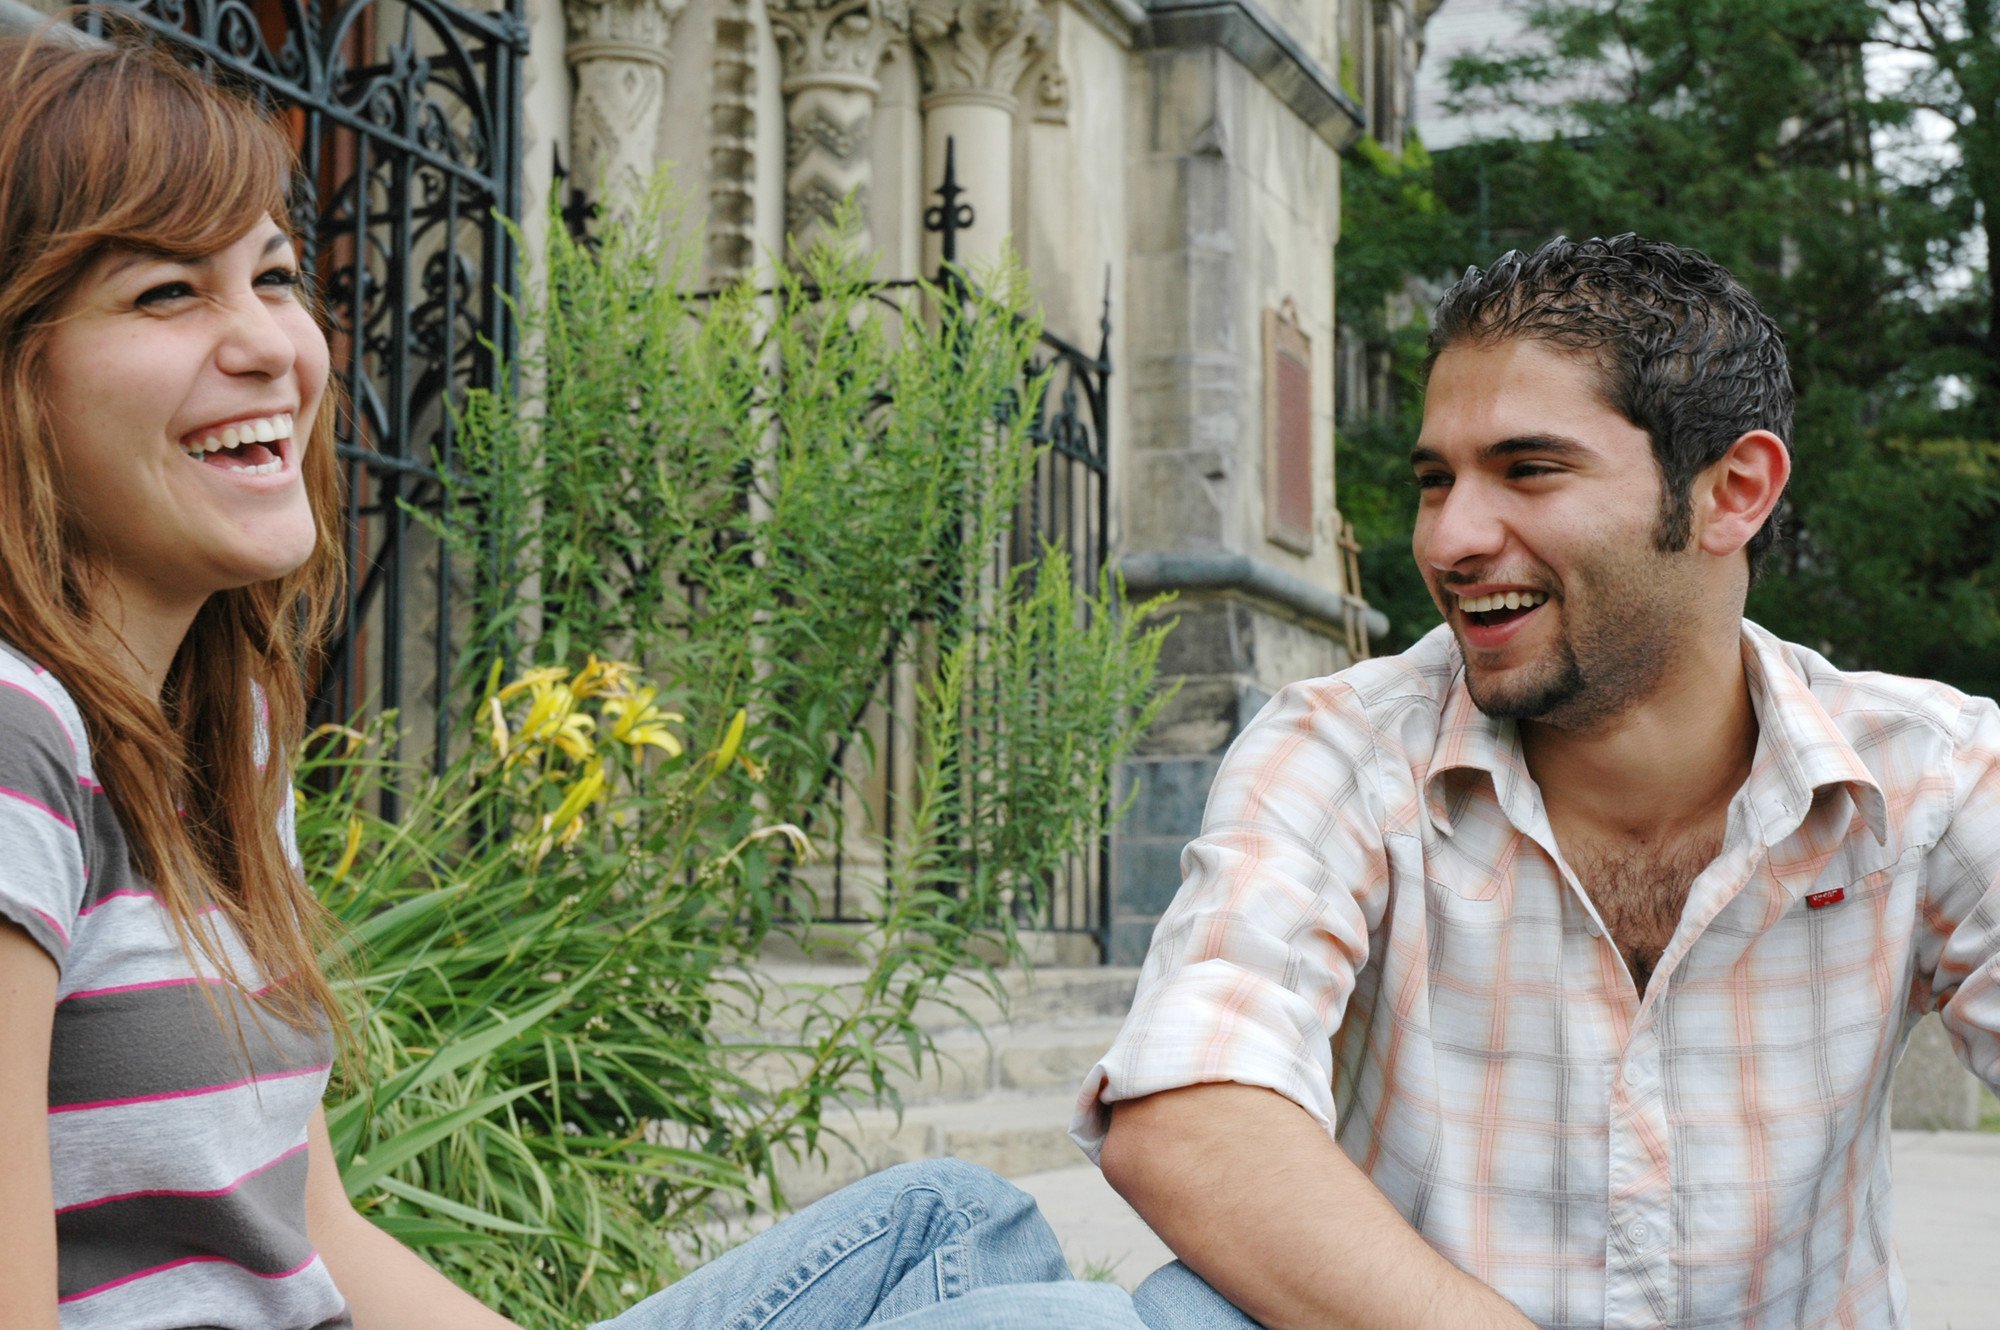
(1538, 535)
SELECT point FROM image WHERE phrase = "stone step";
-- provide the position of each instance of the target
(1014, 1059)
(1010, 1134)
(1023, 997)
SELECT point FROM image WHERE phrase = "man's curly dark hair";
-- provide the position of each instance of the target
(1681, 349)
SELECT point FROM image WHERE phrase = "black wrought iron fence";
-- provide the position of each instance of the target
(406, 118)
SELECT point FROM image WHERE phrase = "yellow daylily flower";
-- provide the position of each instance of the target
(350, 853)
(356, 740)
(499, 718)
(589, 787)
(731, 741)
(636, 722)
(535, 679)
(553, 720)
(602, 676)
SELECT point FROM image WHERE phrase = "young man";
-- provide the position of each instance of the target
(1554, 971)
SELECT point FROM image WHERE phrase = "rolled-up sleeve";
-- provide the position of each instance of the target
(1251, 967)
(1960, 945)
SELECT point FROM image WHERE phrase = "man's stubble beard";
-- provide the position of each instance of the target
(1604, 662)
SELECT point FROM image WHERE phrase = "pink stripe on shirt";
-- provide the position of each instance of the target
(177, 1191)
(29, 692)
(189, 1094)
(181, 982)
(188, 1260)
(37, 803)
(54, 923)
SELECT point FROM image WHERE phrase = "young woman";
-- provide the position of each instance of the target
(169, 550)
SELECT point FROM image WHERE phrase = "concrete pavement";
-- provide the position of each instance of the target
(1947, 1226)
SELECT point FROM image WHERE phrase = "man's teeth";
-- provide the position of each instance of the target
(268, 430)
(1503, 600)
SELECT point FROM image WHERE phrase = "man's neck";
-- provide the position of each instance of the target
(1669, 763)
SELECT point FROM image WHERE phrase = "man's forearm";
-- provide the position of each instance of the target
(1248, 1190)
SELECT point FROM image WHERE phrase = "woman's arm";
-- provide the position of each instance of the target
(27, 1197)
(387, 1286)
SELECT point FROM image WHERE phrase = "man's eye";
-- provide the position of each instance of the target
(1529, 470)
(1430, 480)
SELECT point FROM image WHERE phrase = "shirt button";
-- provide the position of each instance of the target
(1639, 1232)
(1592, 927)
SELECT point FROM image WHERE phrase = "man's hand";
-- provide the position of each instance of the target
(1251, 1194)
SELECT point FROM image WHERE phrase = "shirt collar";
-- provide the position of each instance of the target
(1800, 751)
(1470, 741)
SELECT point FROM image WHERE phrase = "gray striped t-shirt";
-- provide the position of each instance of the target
(179, 1169)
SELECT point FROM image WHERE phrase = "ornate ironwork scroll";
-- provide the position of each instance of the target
(407, 121)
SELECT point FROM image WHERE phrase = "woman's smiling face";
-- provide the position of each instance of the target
(181, 395)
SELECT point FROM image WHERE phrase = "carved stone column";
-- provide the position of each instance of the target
(831, 51)
(618, 49)
(972, 54)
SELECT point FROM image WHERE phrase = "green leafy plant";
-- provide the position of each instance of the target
(708, 529)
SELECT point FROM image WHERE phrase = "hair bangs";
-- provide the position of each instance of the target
(166, 172)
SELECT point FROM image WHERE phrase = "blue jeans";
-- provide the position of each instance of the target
(1176, 1298)
(935, 1245)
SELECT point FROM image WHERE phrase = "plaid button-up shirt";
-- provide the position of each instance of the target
(1377, 923)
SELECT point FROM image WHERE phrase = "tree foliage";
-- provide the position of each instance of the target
(1842, 157)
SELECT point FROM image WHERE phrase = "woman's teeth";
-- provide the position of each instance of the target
(1503, 600)
(269, 429)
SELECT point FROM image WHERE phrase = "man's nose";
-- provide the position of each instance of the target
(1464, 525)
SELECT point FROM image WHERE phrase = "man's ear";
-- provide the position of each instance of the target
(1735, 495)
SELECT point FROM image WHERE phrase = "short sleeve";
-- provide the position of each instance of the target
(1251, 967)
(42, 814)
(1959, 943)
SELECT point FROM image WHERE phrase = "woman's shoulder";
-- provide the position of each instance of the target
(46, 794)
(39, 720)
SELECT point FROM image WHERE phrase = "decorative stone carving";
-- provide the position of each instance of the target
(732, 153)
(836, 41)
(618, 49)
(831, 51)
(1045, 91)
(978, 48)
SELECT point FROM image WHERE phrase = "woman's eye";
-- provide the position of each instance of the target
(284, 278)
(164, 292)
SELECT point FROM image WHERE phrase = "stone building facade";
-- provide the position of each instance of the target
(1182, 155)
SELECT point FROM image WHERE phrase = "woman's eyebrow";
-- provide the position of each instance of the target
(279, 240)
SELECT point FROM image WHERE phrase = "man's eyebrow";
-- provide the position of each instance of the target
(1543, 445)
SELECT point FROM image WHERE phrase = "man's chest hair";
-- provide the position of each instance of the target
(1640, 889)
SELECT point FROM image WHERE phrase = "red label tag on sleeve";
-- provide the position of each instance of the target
(1819, 900)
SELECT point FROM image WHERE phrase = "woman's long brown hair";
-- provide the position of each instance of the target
(121, 148)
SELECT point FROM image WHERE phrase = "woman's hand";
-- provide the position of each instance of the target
(27, 1197)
